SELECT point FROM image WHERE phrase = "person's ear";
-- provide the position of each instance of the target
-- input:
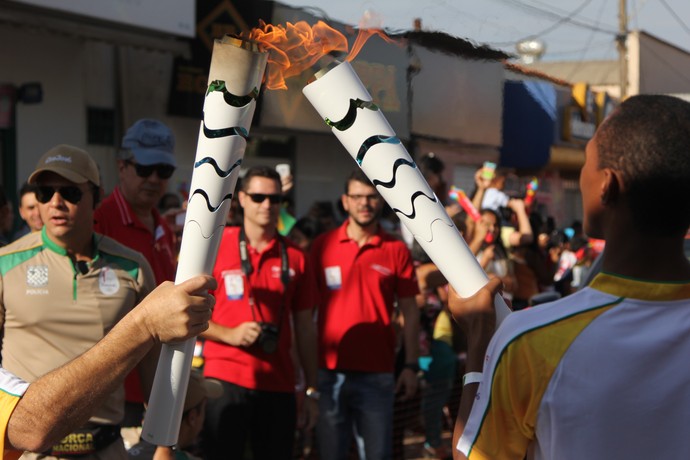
(611, 186)
(343, 201)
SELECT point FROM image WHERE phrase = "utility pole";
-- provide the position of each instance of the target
(622, 46)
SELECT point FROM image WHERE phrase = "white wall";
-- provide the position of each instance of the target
(59, 64)
(459, 99)
(663, 68)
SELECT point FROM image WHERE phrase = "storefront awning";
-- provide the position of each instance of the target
(529, 123)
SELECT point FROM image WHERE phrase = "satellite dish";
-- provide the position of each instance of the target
(530, 50)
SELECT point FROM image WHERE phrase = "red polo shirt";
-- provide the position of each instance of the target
(251, 367)
(116, 219)
(357, 291)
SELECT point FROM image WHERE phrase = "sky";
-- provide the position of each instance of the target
(572, 30)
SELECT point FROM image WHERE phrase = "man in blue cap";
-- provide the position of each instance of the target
(145, 164)
(129, 215)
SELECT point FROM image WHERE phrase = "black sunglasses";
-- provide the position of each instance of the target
(260, 197)
(71, 193)
(164, 171)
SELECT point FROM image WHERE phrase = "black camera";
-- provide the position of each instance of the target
(268, 337)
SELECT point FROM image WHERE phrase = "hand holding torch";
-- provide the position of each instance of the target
(235, 76)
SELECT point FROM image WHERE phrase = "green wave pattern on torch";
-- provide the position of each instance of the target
(224, 132)
(372, 141)
(349, 119)
(231, 99)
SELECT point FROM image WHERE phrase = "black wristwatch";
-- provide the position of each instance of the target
(414, 367)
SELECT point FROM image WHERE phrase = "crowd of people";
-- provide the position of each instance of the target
(329, 338)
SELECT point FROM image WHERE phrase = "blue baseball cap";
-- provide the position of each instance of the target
(150, 142)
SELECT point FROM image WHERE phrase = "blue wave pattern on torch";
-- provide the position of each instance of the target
(372, 141)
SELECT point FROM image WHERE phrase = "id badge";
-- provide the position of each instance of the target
(334, 277)
(234, 284)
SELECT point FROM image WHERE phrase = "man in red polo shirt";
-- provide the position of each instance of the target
(129, 216)
(264, 285)
(362, 273)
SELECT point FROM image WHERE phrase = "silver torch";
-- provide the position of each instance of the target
(235, 75)
(343, 102)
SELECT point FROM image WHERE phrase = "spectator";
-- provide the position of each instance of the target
(129, 215)
(603, 372)
(264, 281)
(362, 273)
(564, 259)
(63, 288)
(487, 245)
(533, 268)
(199, 391)
(28, 211)
(169, 201)
(305, 230)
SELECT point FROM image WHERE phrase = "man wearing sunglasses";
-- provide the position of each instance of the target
(129, 215)
(63, 288)
(264, 282)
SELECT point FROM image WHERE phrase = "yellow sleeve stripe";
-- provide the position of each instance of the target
(7, 404)
(521, 377)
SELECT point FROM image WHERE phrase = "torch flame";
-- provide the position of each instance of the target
(293, 48)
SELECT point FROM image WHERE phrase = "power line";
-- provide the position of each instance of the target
(675, 16)
(589, 39)
(552, 14)
(560, 22)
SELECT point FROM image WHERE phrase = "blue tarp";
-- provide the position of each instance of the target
(529, 123)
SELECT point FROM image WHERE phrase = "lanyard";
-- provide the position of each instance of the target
(247, 269)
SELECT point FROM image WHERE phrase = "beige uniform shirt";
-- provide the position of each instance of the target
(51, 313)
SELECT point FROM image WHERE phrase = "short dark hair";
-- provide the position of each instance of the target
(259, 171)
(27, 188)
(647, 140)
(430, 164)
(357, 175)
(310, 226)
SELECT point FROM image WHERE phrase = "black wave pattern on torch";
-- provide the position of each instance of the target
(349, 119)
(234, 101)
(222, 174)
(390, 184)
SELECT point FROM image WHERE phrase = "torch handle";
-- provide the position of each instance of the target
(169, 389)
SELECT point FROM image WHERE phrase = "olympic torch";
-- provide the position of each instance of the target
(235, 75)
(343, 102)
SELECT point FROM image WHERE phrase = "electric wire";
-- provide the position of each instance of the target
(589, 39)
(675, 16)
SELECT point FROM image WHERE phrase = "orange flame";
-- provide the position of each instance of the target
(362, 37)
(293, 48)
